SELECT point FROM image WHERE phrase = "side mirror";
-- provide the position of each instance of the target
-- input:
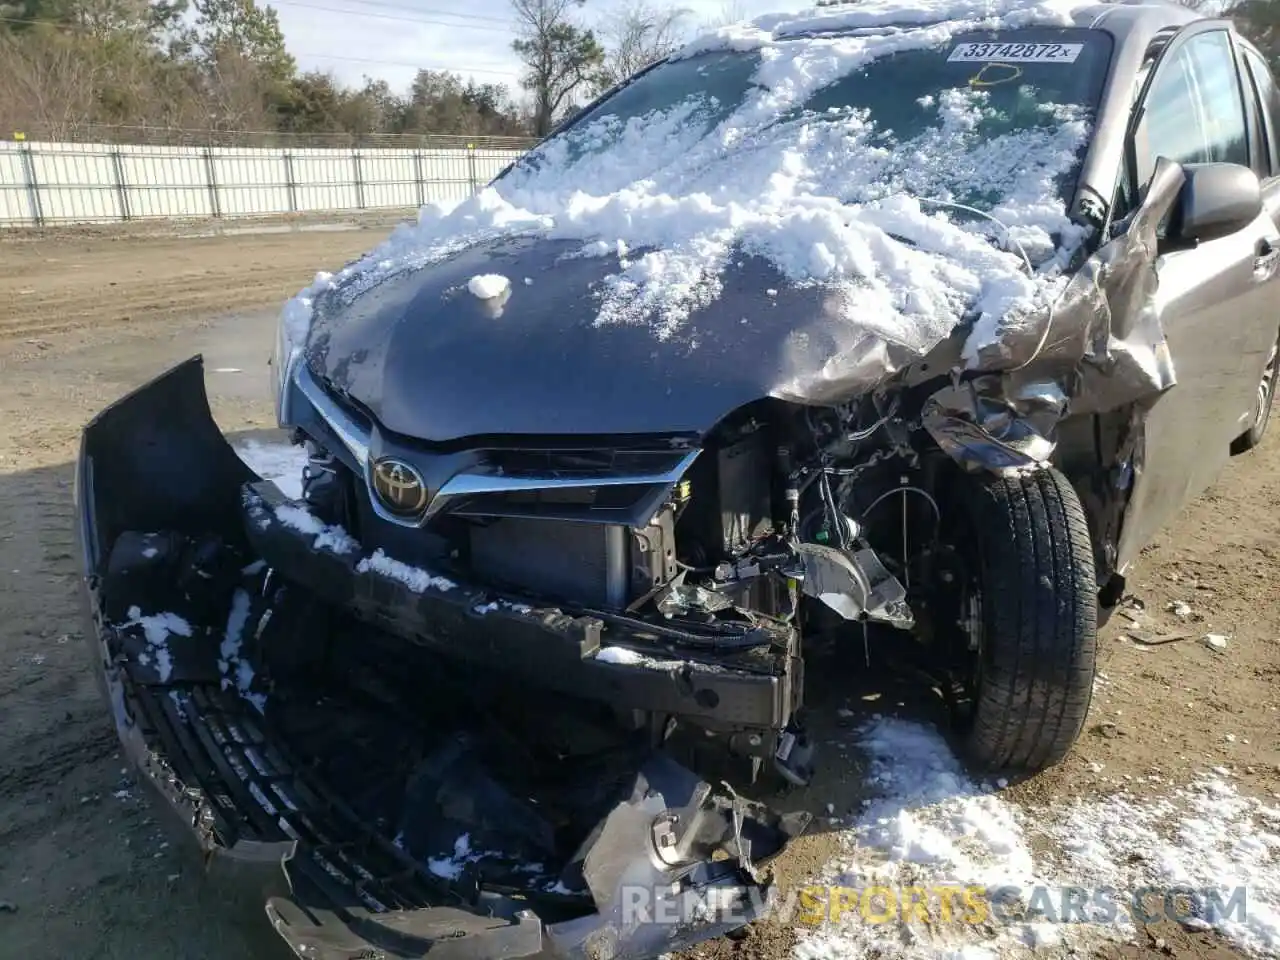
(1217, 200)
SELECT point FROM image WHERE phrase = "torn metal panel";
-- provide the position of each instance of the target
(1103, 335)
(1100, 339)
(1102, 343)
(648, 902)
(855, 585)
(994, 424)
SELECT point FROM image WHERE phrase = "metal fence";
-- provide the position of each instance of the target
(49, 183)
(164, 136)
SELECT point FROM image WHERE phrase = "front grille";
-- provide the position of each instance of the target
(582, 563)
(585, 463)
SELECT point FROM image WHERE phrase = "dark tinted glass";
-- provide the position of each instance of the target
(1269, 106)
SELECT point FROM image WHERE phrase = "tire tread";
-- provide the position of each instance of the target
(1039, 620)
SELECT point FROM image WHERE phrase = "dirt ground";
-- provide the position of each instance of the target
(87, 869)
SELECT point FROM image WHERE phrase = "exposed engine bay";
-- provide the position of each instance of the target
(713, 556)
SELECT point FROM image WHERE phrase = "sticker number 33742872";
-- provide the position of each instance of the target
(1017, 52)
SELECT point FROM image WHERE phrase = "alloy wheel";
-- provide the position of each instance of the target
(1267, 384)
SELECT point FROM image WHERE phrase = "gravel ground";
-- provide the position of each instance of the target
(87, 866)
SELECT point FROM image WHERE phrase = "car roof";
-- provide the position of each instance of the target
(1126, 20)
(1137, 20)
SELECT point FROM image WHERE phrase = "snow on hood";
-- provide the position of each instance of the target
(674, 195)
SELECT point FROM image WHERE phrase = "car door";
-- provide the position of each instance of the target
(1212, 301)
(1266, 103)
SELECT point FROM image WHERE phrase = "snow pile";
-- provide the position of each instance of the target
(488, 286)
(631, 658)
(1206, 837)
(157, 628)
(678, 194)
(281, 463)
(865, 14)
(235, 669)
(327, 537)
(928, 825)
(295, 318)
(415, 578)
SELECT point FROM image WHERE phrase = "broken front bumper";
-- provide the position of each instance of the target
(666, 864)
(620, 660)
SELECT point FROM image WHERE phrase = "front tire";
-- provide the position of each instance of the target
(1266, 400)
(1035, 626)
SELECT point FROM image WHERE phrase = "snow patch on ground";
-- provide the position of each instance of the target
(828, 198)
(927, 824)
(415, 578)
(1205, 836)
(157, 628)
(281, 463)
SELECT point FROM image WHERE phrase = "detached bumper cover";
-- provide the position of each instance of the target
(667, 865)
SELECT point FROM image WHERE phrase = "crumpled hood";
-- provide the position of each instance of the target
(429, 359)
(658, 228)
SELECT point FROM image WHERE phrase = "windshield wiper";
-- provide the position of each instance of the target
(1008, 232)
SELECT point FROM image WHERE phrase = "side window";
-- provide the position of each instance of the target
(1218, 87)
(1195, 113)
(1268, 108)
(1174, 127)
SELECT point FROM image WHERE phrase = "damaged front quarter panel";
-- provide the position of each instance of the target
(981, 424)
(1102, 337)
(1100, 347)
(1097, 347)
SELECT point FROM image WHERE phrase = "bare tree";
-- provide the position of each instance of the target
(235, 92)
(730, 12)
(51, 79)
(635, 36)
(559, 56)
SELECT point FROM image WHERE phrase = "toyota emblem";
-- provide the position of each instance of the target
(399, 488)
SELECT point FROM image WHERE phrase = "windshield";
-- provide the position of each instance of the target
(952, 122)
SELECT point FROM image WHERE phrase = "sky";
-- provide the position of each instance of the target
(391, 39)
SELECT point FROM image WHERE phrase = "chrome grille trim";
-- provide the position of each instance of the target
(470, 482)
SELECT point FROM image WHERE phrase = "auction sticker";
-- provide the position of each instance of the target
(1016, 52)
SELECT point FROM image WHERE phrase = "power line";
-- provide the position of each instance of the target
(400, 63)
(429, 11)
(389, 16)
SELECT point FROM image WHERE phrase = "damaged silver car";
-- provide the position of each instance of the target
(858, 328)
